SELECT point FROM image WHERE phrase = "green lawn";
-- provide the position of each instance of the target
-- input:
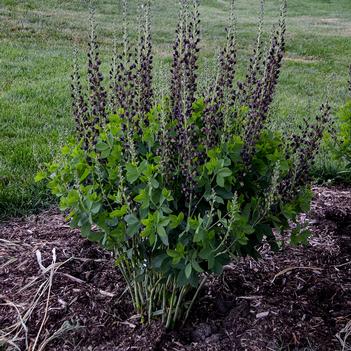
(36, 43)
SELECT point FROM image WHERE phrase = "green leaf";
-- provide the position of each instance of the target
(226, 195)
(196, 266)
(101, 146)
(200, 234)
(133, 224)
(172, 253)
(299, 236)
(211, 261)
(219, 200)
(213, 165)
(205, 253)
(218, 263)
(181, 279)
(164, 221)
(143, 198)
(188, 270)
(85, 174)
(143, 167)
(72, 198)
(225, 172)
(95, 236)
(193, 223)
(119, 233)
(154, 183)
(95, 208)
(132, 173)
(91, 235)
(162, 234)
(120, 212)
(220, 181)
(157, 261)
(65, 150)
(176, 220)
(221, 175)
(167, 194)
(40, 176)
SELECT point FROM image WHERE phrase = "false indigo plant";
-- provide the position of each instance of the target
(178, 186)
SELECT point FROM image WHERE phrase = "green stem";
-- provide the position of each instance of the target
(151, 299)
(124, 272)
(141, 295)
(214, 224)
(194, 298)
(169, 318)
(136, 295)
(223, 242)
(180, 298)
(164, 303)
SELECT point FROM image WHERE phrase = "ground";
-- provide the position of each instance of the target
(36, 45)
(60, 292)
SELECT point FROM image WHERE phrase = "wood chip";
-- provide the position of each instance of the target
(262, 315)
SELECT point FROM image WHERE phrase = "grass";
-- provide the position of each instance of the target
(36, 43)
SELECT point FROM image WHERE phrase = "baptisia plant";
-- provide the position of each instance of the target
(177, 186)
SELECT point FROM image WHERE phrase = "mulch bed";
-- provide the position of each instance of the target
(60, 292)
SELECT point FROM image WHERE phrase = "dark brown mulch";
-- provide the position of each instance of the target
(299, 298)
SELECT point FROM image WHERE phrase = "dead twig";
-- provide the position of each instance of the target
(343, 264)
(48, 296)
(254, 297)
(289, 269)
(343, 337)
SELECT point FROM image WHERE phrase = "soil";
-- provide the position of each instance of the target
(73, 298)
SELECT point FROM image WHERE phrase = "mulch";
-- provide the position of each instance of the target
(60, 292)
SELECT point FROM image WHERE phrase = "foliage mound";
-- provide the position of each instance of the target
(180, 184)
